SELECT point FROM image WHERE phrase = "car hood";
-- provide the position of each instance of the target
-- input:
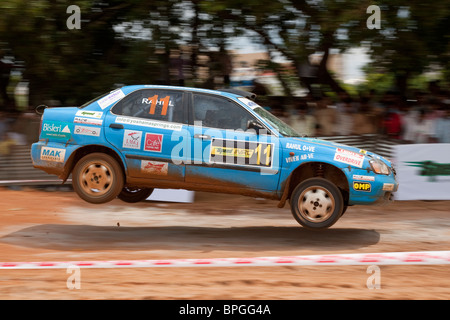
(331, 144)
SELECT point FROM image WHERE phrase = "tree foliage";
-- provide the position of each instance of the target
(125, 42)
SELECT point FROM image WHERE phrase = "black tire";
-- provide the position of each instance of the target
(133, 195)
(317, 203)
(97, 178)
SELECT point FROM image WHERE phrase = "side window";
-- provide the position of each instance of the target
(163, 105)
(217, 112)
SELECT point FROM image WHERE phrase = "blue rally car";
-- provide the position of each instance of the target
(137, 138)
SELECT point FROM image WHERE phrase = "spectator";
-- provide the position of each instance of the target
(409, 120)
(422, 131)
(442, 128)
(302, 121)
(326, 116)
(392, 126)
(345, 117)
(364, 121)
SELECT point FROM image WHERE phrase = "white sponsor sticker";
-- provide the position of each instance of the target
(363, 178)
(87, 131)
(349, 157)
(89, 114)
(110, 98)
(95, 122)
(149, 123)
(53, 154)
(388, 187)
(154, 167)
(132, 139)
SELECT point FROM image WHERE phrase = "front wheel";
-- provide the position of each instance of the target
(317, 203)
(133, 195)
(97, 178)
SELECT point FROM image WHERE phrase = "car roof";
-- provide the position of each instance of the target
(228, 92)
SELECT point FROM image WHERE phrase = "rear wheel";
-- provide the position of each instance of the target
(134, 194)
(317, 203)
(97, 178)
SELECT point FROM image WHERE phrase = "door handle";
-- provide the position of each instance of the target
(202, 136)
(116, 126)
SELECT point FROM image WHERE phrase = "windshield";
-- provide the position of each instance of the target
(278, 124)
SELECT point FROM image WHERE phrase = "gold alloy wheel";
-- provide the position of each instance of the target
(96, 178)
(316, 204)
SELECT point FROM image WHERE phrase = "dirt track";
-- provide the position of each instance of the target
(51, 226)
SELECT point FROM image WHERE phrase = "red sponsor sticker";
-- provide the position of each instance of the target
(153, 142)
(154, 167)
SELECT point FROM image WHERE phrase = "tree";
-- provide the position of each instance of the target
(414, 35)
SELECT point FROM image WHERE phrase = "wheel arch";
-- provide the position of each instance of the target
(316, 169)
(85, 150)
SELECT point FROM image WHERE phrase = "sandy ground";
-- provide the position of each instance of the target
(39, 225)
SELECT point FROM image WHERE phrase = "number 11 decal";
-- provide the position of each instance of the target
(154, 101)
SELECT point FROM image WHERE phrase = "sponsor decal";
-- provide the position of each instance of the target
(90, 114)
(149, 123)
(364, 178)
(249, 103)
(431, 169)
(56, 130)
(349, 157)
(300, 147)
(87, 131)
(53, 154)
(388, 187)
(154, 167)
(305, 156)
(95, 122)
(241, 152)
(292, 159)
(153, 142)
(132, 139)
(110, 98)
(362, 186)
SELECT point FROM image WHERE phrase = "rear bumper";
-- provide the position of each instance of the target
(51, 157)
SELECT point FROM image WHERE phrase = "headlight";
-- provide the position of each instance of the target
(379, 166)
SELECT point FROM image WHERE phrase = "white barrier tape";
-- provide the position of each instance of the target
(391, 258)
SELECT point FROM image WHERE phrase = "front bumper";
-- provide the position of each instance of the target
(371, 188)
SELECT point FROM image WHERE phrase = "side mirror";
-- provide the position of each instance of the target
(40, 109)
(255, 125)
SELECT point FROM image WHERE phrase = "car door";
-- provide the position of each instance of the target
(224, 152)
(143, 126)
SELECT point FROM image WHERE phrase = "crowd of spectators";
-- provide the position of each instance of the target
(422, 118)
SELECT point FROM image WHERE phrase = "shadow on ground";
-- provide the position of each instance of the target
(91, 238)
